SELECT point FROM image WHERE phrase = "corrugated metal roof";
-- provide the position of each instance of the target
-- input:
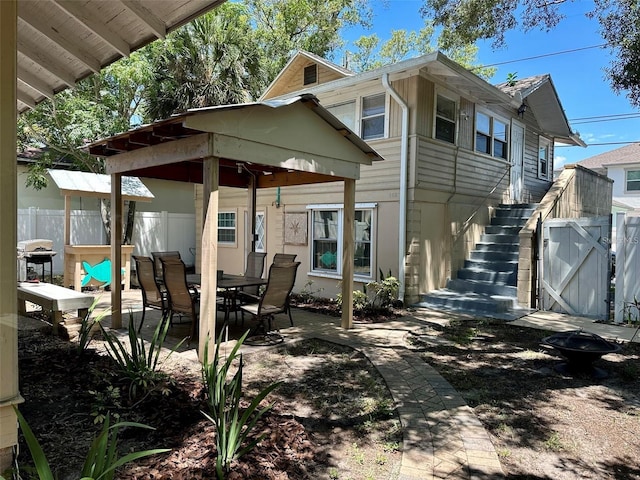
(96, 184)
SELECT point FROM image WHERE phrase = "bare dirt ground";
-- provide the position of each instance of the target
(333, 418)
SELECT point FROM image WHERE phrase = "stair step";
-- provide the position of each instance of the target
(498, 247)
(519, 211)
(502, 230)
(510, 221)
(476, 286)
(489, 256)
(508, 278)
(499, 238)
(468, 302)
(493, 266)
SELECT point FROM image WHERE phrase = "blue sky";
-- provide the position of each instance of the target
(579, 76)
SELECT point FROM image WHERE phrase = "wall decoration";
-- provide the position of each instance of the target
(295, 228)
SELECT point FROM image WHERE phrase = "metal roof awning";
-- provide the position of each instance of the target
(85, 184)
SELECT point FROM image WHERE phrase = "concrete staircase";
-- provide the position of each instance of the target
(487, 284)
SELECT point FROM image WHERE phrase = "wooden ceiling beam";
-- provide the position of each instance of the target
(152, 22)
(25, 98)
(287, 179)
(97, 26)
(35, 83)
(71, 47)
(46, 63)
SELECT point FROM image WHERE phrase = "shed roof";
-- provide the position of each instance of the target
(86, 184)
(279, 143)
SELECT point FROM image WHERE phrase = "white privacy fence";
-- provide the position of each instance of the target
(152, 231)
(627, 265)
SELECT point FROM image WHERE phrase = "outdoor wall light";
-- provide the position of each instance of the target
(522, 109)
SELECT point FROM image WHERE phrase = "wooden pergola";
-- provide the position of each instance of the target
(250, 146)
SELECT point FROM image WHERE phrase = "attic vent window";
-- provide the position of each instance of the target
(310, 74)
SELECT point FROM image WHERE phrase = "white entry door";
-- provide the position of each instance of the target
(517, 159)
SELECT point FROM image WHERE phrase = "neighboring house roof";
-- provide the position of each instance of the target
(628, 203)
(539, 94)
(627, 155)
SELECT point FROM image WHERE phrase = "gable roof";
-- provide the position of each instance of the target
(268, 144)
(539, 94)
(300, 58)
(628, 154)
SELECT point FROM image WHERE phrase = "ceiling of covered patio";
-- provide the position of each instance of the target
(63, 41)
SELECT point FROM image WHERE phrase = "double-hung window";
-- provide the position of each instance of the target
(544, 158)
(227, 228)
(326, 239)
(372, 118)
(491, 135)
(445, 119)
(633, 180)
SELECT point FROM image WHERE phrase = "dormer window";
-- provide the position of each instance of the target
(310, 74)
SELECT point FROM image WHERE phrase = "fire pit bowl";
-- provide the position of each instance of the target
(581, 349)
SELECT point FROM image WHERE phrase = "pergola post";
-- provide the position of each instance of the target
(116, 250)
(209, 257)
(348, 250)
(9, 392)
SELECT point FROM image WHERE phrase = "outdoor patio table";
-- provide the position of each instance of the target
(230, 284)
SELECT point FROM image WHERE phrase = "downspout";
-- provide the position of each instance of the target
(404, 161)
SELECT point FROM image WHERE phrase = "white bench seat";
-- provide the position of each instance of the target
(54, 299)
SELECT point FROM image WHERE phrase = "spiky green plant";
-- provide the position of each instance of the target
(233, 426)
(140, 363)
(102, 458)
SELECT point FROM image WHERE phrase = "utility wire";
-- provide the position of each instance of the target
(544, 55)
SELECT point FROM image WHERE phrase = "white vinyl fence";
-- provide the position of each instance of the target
(627, 265)
(152, 231)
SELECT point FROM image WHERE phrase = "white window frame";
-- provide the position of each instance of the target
(234, 228)
(452, 98)
(372, 241)
(544, 142)
(384, 116)
(354, 113)
(626, 181)
(491, 134)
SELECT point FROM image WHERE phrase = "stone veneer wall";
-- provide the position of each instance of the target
(578, 192)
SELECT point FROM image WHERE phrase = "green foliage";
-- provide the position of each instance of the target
(102, 458)
(375, 295)
(464, 22)
(139, 363)
(307, 294)
(512, 78)
(88, 324)
(224, 395)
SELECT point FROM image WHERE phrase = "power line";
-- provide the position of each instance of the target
(544, 55)
(611, 118)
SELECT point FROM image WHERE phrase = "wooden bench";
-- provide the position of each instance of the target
(53, 298)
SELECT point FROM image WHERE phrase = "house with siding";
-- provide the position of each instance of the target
(621, 165)
(457, 150)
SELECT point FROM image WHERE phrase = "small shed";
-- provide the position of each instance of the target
(90, 265)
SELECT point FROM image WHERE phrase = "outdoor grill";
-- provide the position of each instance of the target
(35, 252)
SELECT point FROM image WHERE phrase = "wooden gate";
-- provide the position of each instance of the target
(575, 266)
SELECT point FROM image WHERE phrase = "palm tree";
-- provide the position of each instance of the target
(214, 60)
